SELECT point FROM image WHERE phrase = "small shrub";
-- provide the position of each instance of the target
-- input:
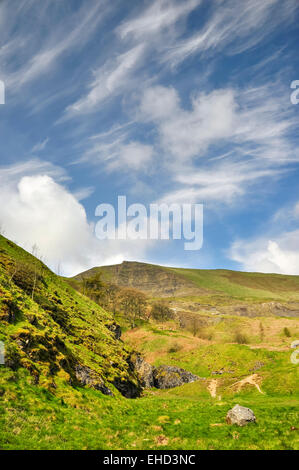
(262, 332)
(175, 347)
(209, 336)
(205, 333)
(241, 338)
(12, 356)
(287, 332)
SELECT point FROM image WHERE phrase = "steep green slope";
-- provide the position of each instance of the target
(58, 335)
(242, 285)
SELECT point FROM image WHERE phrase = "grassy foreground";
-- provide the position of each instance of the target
(183, 418)
(186, 417)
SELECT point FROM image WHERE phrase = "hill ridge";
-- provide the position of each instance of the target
(163, 281)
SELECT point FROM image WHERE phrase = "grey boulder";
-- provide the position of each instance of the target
(171, 376)
(145, 372)
(240, 415)
(88, 377)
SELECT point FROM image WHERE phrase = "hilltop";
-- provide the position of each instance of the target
(153, 280)
(203, 290)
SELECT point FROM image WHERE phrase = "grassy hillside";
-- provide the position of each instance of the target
(244, 286)
(50, 329)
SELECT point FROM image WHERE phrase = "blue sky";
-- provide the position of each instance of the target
(161, 101)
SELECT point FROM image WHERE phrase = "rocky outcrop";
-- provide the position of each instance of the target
(145, 372)
(148, 278)
(170, 376)
(127, 388)
(240, 415)
(115, 329)
(162, 376)
(86, 376)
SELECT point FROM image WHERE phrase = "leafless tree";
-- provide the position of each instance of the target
(132, 304)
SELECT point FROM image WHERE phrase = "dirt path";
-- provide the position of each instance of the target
(212, 388)
(253, 379)
(270, 348)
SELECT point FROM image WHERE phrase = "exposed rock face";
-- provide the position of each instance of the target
(9, 311)
(162, 376)
(86, 376)
(240, 415)
(127, 389)
(170, 376)
(148, 278)
(145, 372)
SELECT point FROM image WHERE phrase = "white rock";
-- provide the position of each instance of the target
(240, 415)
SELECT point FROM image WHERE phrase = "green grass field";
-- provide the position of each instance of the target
(182, 418)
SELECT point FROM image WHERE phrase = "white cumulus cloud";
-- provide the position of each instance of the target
(270, 255)
(41, 211)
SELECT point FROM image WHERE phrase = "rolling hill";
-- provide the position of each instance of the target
(198, 290)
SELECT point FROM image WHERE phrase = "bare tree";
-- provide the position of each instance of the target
(132, 304)
(111, 293)
(35, 253)
(161, 312)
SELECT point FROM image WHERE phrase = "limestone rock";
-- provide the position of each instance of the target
(240, 415)
(86, 376)
(170, 376)
(115, 329)
(145, 372)
(127, 388)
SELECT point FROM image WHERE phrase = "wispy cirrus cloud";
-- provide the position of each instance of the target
(24, 59)
(224, 183)
(142, 34)
(10, 174)
(251, 117)
(160, 15)
(251, 124)
(40, 146)
(234, 26)
(115, 151)
(112, 78)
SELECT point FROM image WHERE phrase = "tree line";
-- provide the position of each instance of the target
(131, 303)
